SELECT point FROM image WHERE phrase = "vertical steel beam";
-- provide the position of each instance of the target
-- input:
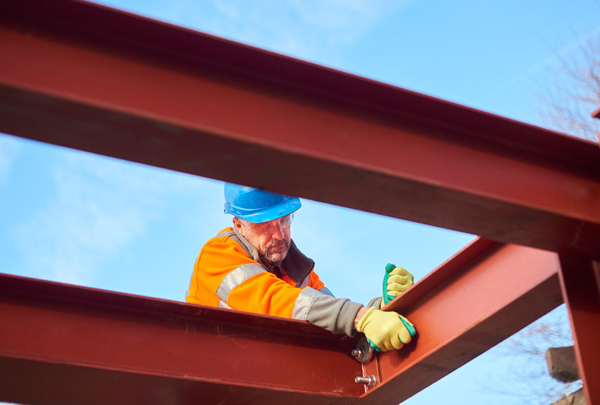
(580, 284)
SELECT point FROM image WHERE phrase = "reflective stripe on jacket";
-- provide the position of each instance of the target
(229, 274)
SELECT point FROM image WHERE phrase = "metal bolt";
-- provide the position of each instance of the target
(363, 351)
(369, 381)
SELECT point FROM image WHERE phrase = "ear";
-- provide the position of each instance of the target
(237, 224)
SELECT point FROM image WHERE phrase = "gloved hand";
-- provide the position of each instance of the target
(395, 282)
(386, 330)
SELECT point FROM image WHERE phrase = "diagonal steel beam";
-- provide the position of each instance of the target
(88, 77)
(63, 345)
(481, 296)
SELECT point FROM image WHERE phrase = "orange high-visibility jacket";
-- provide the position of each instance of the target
(229, 274)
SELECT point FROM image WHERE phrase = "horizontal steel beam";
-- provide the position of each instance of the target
(481, 296)
(91, 78)
(63, 345)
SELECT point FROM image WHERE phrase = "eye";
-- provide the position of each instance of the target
(263, 226)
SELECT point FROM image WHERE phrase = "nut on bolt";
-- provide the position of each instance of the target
(369, 381)
(363, 352)
(357, 353)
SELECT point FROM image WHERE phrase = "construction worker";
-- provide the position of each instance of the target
(255, 266)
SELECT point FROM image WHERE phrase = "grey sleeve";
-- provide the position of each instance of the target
(333, 314)
(375, 302)
(326, 291)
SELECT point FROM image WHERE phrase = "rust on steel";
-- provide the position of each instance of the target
(92, 78)
(62, 344)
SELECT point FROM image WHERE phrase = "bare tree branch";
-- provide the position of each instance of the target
(572, 91)
(522, 371)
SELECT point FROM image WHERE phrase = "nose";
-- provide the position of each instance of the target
(277, 232)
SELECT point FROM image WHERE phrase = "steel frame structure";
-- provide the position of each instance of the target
(88, 77)
(118, 347)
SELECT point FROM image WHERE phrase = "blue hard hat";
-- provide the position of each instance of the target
(257, 206)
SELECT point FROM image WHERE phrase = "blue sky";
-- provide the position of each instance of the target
(84, 219)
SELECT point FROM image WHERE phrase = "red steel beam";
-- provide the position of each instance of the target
(63, 345)
(580, 284)
(478, 298)
(92, 78)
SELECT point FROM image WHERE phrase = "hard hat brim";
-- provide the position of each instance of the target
(286, 207)
(256, 206)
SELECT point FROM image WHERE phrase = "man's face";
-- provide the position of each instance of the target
(271, 239)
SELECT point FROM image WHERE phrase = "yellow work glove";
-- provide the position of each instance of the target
(395, 282)
(386, 330)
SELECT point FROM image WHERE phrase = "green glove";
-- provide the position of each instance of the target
(395, 282)
(386, 330)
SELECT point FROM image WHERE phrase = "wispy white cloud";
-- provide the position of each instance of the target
(540, 68)
(100, 207)
(307, 29)
(310, 29)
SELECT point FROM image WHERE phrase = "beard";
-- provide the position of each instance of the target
(275, 251)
